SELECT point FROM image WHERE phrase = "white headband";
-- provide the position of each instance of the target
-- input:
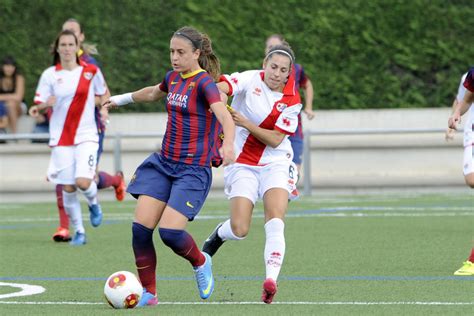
(280, 51)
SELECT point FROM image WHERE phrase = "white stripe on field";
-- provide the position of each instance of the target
(26, 290)
(253, 303)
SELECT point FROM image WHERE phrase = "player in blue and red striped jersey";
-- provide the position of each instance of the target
(303, 82)
(172, 185)
(103, 179)
(465, 102)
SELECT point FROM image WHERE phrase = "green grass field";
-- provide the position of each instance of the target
(386, 254)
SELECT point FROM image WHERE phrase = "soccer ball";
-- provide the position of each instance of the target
(123, 290)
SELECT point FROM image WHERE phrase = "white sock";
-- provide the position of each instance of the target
(225, 232)
(91, 193)
(72, 206)
(274, 247)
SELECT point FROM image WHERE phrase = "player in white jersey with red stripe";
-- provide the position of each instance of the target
(70, 87)
(465, 102)
(265, 110)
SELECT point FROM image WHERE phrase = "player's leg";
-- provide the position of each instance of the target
(189, 191)
(241, 187)
(277, 181)
(468, 266)
(116, 181)
(62, 232)
(86, 161)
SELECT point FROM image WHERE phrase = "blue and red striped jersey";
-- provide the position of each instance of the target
(469, 81)
(300, 79)
(191, 127)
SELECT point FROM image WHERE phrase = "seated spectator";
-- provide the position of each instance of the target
(3, 121)
(12, 91)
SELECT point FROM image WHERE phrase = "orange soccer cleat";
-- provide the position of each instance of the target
(120, 189)
(61, 234)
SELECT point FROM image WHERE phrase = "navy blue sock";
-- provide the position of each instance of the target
(183, 245)
(145, 256)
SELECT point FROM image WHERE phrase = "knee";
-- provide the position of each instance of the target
(83, 183)
(240, 230)
(470, 180)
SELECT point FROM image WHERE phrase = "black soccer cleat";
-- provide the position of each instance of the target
(213, 242)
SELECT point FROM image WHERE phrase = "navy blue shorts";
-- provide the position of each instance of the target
(183, 187)
(297, 145)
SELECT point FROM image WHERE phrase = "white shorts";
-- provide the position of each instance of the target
(252, 182)
(68, 163)
(468, 163)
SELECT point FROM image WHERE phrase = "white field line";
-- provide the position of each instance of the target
(26, 290)
(254, 303)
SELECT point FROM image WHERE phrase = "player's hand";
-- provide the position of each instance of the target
(109, 104)
(449, 135)
(104, 115)
(238, 118)
(33, 111)
(309, 113)
(454, 120)
(227, 153)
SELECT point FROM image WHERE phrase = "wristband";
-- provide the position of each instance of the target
(122, 99)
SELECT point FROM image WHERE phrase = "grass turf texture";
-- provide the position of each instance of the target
(364, 254)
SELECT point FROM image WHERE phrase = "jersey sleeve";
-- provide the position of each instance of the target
(303, 79)
(287, 122)
(469, 81)
(100, 87)
(210, 91)
(45, 88)
(238, 81)
(164, 84)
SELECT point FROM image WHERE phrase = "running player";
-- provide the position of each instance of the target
(103, 179)
(70, 87)
(465, 102)
(302, 81)
(265, 110)
(172, 185)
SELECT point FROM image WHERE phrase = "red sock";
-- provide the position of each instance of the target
(63, 219)
(106, 180)
(471, 258)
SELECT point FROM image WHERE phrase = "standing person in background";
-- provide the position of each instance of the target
(103, 179)
(465, 102)
(70, 87)
(303, 82)
(265, 109)
(172, 185)
(12, 91)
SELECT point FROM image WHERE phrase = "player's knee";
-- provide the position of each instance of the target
(83, 183)
(470, 180)
(240, 230)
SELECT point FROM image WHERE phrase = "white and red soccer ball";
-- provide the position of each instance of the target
(123, 290)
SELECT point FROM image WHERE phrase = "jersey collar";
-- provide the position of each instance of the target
(189, 75)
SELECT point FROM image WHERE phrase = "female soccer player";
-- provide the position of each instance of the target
(302, 81)
(70, 88)
(265, 110)
(171, 185)
(465, 102)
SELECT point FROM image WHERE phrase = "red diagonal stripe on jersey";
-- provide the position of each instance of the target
(76, 109)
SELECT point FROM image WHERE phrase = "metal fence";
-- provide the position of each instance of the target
(307, 149)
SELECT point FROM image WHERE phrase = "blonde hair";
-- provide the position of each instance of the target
(207, 59)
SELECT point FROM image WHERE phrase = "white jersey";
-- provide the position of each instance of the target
(73, 120)
(267, 109)
(459, 97)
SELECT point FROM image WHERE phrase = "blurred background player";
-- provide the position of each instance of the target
(73, 131)
(103, 179)
(302, 81)
(172, 185)
(463, 103)
(265, 109)
(12, 91)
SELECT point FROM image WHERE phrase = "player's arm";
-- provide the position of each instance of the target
(145, 95)
(308, 97)
(460, 108)
(272, 138)
(36, 109)
(223, 116)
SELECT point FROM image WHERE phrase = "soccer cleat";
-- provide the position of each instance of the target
(147, 299)
(269, 290)
(78, 240)
(95, 214)
(120, 189)
(204, 278)
(61, 234)
(213, 242)
(466, 269)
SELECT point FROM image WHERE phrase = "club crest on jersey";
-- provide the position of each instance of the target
(281, 106)
(88, 75)
(191, 85)
(257, 91)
